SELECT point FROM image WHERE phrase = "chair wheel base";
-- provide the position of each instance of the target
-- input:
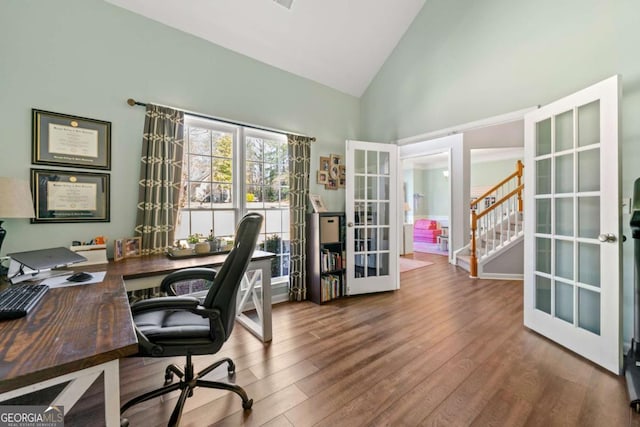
(247, 405)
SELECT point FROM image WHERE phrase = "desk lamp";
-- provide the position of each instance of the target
(15, 202)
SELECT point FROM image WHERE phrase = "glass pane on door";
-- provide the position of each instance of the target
(564, 131)
(564, 301)
(589, 170)
(589, 311)
(543, 294)
(589, 217)
(589, 124)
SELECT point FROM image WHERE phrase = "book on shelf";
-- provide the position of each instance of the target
(331, 261)
(330, 287)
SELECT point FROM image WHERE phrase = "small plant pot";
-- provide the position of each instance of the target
(202, 247)
(214, 245)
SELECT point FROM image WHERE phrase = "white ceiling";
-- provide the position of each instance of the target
(339, 43)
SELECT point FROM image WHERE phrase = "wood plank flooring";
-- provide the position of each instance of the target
(444, 350)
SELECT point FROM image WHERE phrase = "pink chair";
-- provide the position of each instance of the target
(426, 230)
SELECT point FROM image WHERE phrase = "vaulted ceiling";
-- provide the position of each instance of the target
(339, 43)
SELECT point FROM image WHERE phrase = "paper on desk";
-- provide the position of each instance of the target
(61, 281)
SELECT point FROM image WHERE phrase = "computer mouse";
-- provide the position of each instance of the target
(79, 277)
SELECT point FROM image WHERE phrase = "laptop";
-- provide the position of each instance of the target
(43, 259)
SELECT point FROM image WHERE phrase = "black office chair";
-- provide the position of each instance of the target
(184, 326)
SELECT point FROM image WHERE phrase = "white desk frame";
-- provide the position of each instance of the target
(257, 279)
(80, 381)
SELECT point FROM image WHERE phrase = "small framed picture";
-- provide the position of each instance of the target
(332, 184)
(317, 203)
(118, 249)
(336, 159)
(132, 247)
(323, 177)
(342, 176)
(334, 172)
(325, 163)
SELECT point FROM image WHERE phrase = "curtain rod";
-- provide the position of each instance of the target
(132, 102)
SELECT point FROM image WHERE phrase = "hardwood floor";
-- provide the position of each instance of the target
(444, 350)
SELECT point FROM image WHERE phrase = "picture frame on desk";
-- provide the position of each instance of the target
(67, 196)
(72, 141)
(132, 247)
(118, 249)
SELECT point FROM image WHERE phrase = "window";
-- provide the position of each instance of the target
(267, 192)
(214, 197)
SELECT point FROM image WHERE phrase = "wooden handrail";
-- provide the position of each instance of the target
(473, 259)
(518, 189)
(517, 173)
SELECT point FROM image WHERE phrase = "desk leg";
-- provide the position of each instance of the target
(257, 278)
(74, 390)
(112, 393)
(80, 381)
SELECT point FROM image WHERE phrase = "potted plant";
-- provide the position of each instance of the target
(192, 239)
(273, 244)
(214, 242)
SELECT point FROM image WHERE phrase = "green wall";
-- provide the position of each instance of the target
(86, 57)
(488, 174)
(432, 184)
(462, 61)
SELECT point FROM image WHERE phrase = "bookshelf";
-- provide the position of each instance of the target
(326, 256)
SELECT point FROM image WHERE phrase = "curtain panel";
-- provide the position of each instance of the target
(160, 178)
(299, 165)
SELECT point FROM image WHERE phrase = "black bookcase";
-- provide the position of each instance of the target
(326, 260)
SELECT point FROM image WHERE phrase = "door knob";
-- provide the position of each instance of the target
(350, 224)
(609, 237)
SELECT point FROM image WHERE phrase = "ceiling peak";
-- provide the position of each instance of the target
(285, 3)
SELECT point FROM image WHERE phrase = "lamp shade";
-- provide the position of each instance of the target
(15, 199)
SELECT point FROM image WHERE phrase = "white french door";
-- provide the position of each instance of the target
(572, 223)
(372, 206)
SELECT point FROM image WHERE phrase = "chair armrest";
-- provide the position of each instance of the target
(164, 303)
(185, 274)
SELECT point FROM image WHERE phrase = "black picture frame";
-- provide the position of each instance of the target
(68, 196)
(65, 140)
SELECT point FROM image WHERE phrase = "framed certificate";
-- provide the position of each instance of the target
(63, 140)
(67, 196)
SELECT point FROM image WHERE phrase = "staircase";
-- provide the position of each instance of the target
(496, 247)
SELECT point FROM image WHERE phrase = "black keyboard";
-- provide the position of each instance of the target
(19, 300)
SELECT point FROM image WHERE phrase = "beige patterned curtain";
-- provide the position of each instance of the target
(299, 164)
(160, 178)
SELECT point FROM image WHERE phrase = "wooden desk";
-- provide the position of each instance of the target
(74, 334)
(78, 332)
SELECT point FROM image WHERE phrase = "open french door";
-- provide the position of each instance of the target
(572, 223)
(372, 206)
